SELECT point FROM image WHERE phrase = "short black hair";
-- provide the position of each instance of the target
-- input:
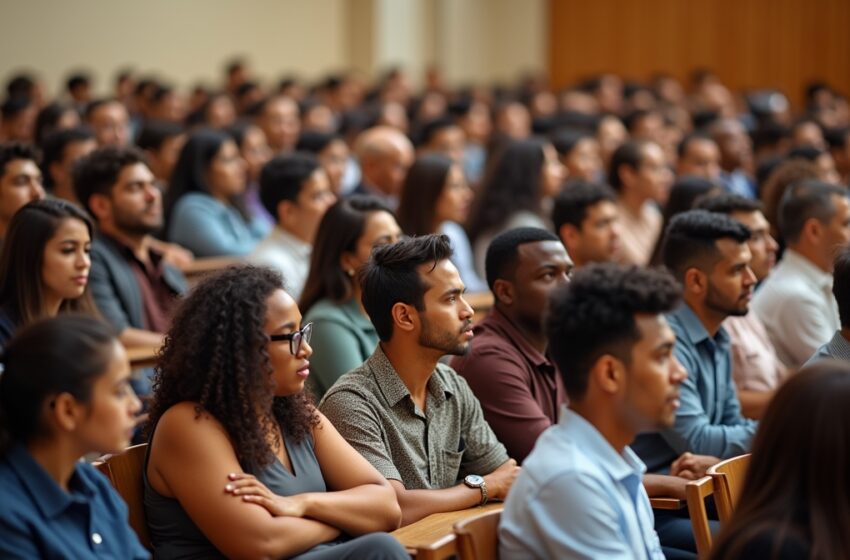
(631, 120)
(594, 315)
(566, 139)
(13, 151)
(631, 154)
(692, 137)
(841, 285)
(98, 172)
(501, 258)
(102, 102)
(432, 127)
(77, 80)
(154, 134)
(803, 201)
(806, 152)
(283, 177)
(729, 203)
(391, 277)
(572, 203)
(837, 137)
(54, 148)
(314, 141)
(690, 240)
(14, 106)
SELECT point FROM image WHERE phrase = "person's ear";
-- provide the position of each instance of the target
(812, 231)
(100, 206)
(285, 211)
(64, 410)
(696, 282)
(569, 235)
(349, 263)
(608, 374)
(504, 292)
(628, 174)
(405, 317)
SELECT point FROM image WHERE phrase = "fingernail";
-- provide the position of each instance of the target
(232, 475)
(229, 487)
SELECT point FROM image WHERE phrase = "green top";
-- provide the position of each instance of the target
(343, 337)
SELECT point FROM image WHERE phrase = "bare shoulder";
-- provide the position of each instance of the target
(186, 423)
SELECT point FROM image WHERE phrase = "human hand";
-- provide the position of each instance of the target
(176, 256)
(253, 491)
(692, 466)
(499, 482)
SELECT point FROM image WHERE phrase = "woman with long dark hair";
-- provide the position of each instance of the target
(241, 464)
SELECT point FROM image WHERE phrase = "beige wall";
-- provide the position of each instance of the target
(186, 41)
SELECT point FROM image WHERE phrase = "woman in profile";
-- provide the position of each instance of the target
(240, 463)
(795, 502)
(64, 393)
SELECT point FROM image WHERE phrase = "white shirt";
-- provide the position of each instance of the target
(797, 307)
(289, 255)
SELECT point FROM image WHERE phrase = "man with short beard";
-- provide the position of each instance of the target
(413, 418)
(133, 287)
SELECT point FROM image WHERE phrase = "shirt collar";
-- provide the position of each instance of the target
(503, 326)
(393, 388)
(800, 264)
(619, 467)
(839, 347)
(47, 495)
(693, 328)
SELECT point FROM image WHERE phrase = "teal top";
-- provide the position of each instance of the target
(343, 337)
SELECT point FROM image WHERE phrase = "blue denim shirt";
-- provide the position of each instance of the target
(38, 519)
(577, 497)
(709, 420)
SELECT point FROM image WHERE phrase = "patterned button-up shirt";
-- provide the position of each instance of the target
(373, 410)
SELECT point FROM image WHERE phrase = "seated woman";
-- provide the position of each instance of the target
(251, 141)
(54, 410)
(204, 206)
(241, 464)
(795, 502)
(331, 298)
(44, 267)
(436, 198)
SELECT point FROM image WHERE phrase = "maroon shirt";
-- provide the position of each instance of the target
(519, 388)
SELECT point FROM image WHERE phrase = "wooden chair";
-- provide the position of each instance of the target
(478, 537)
(728, 479)
(125, 472)
(696, 492)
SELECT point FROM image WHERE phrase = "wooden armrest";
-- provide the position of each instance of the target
(666, 503)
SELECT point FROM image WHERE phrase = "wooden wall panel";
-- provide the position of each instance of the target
(748, 43)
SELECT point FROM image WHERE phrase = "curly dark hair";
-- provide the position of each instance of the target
(215, 355)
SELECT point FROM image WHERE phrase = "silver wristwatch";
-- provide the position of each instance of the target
(476, 481)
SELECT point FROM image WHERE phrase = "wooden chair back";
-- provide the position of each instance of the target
(478, 537)
(125, 472)
(696, 492)
(728, 478)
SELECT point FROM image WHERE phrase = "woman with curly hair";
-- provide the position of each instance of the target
(240, 463)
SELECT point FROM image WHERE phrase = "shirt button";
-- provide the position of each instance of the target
(96, 538)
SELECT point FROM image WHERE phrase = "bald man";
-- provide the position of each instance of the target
(385, 154)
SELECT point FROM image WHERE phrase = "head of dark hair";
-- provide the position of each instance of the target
(154, 134)
(37, 367)
(804, 201)
(77, 80)
(98, 103)
(502, 254)
(423, 186)
(215, 355)
(837, 137)
(632, 119)
(629, 154)
(391, 276)
(20, 85)
(690, 240)
(683, 146)
(15, 151)
(54, 148)
(14, 106)
(728, 204)
(315, 141)
(21, 262)
(806, 152)
(283, 177)
(340, 229)
(433, 127)
(98, 172)
(594, 315)
(568, 138)
(576, 198)
(47, 119)
(798, 478)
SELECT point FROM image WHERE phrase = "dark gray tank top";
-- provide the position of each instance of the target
(175, 536)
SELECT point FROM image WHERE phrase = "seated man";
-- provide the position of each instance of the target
(795, 303)
(20, 181)
(580, 494)
(508, 366)
(838, 348)
(384, 155)
(296, 190)
(586, 218)
(132, 286)
(708, 254)
(61, 150)
(413, 418)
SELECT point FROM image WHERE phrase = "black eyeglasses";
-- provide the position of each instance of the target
(295, 339)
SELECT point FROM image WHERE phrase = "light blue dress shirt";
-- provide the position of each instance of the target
(210, 228)
(709, 420)
(576, 497)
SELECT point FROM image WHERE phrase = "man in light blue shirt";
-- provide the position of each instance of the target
(708, 254)
(579, 494)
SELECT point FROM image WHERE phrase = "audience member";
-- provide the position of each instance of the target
(579, 152)
(642, 181)
(279, 118)
(251, 141)
(296, 190)
(794, 501)
(795, 302)
(412, 417)
(384, 154)
(332, 153)
(109, 121)
(839, 148)
(64, 393)
(442, 136)
(17, 120)
(580, 493)
(347, 234)
(436, 198)
(62, 149)
(838, 347)
(161, 141)
(240, 463)
(44, 266)
(736, 156)
(586, 218)
(508, 367)
(204, 206)
(20, 181)
(52, 118)
(777, 183)
(700, 156)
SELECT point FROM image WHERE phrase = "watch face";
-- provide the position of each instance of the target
(474, 480)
